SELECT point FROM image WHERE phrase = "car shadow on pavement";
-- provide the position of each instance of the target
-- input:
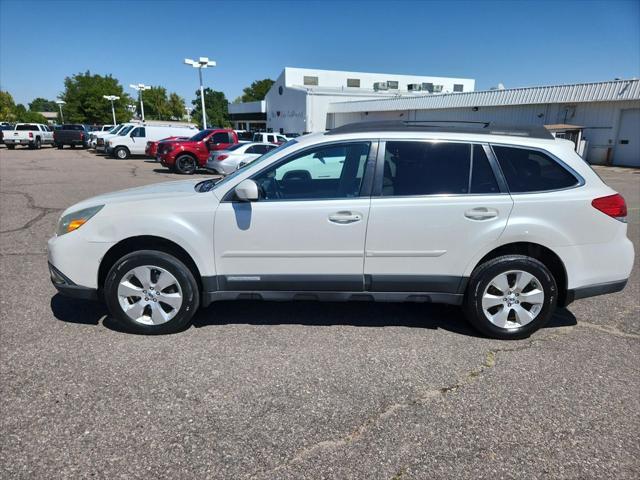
(365, 314)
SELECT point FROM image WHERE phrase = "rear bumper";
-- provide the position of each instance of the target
(594, 290)
(69, 289)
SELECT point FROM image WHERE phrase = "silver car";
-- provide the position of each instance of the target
(227, 161)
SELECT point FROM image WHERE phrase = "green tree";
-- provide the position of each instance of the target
(217, 108)
(7, 107)
(176, 106)
(83, 94)
(22, 115)
(43, 105)
(257, 90)
(156, 104)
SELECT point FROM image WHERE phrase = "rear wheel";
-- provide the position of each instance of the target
(510, 297)
(185, 164)
(11, 147)
(151, 292)
(60, 146)
(72, 146)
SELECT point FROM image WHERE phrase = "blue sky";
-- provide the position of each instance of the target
(516, 43)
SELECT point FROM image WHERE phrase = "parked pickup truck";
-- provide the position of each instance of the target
(34, 135)
(72, 135)
(151, 150)
(186, 156)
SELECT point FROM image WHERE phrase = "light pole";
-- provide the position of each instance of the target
(111, 98)
(140, 88)
(202, 62)
(60, 103)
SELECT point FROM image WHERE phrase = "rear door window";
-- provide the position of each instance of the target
(529, 170)
(426, 168)
(139, 132)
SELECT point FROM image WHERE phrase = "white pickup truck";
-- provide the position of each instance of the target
(34, 135)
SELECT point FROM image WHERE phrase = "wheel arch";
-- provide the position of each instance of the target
(146, 242)
(535, 250)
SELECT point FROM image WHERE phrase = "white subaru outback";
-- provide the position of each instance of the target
(507, 223)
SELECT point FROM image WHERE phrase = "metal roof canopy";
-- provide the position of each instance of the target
(486, 128)
(611, 91)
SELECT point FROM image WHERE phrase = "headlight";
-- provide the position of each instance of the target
(75, 220)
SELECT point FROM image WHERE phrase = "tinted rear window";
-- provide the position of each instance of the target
(72, 127)
(426, 168)
(26, 127)
(532, 171)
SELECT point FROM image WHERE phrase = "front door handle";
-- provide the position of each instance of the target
(481, 213)
(345, 217)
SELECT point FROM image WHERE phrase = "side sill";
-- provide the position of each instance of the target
(595, 290)
(322, 296)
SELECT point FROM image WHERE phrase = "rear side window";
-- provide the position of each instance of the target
(532, 171)
(426, 168)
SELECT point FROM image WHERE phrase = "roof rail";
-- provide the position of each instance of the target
(448, 126)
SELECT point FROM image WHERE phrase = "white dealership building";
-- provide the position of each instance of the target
(298, 101)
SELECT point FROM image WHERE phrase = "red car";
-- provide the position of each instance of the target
(151, 150)
(186, 156)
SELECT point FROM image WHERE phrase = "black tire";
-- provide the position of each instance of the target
(38, 144)
(60, 146)
(485, 273)
(11, 147)
(72, 146)
(186, 280)
(121, 153)
(186, 165)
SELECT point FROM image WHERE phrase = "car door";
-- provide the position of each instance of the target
(435, 205)
(220, 141)
(307, 230)
(138, 141)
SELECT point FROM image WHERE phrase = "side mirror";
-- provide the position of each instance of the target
(247, 191)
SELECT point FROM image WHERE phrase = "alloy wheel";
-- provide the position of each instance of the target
(150, 295)
(513, 299)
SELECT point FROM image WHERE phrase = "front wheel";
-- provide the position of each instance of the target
(510, 297)
(121, 153)
(60, 146)
(151, 292)
(186, 164)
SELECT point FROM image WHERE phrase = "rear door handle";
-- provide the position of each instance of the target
(345, 217)
(481, 213)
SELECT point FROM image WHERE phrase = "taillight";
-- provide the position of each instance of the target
(612, 205)
(30, 134)
(221, 157)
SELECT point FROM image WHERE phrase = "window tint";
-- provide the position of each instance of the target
(392, 84)
(482, 178)
(353, 82)
(282, 139)
(271, 138)
(326, 172)
(532, 171)
(259, 149)
(220, 137)
(426, 168)
(458, 87)
(139, 132)
(235, 147)
(257, 137)
(26, 127)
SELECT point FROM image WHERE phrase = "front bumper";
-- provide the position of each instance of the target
(69, 289)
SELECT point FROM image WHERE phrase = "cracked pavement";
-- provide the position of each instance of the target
(296, 390)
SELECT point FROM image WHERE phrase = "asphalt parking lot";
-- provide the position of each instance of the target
(296, 390)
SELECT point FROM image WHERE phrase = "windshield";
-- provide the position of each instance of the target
(260, 159)
(200, 135)
(115, 129)
(125, 130)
